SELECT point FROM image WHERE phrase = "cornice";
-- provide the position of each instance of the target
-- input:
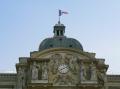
(39, 53)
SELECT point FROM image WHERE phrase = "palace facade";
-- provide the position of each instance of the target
(60, 63)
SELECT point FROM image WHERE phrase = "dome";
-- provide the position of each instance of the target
(57, 42)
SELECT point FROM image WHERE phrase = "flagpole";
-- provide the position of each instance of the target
(59, 14)
(59, 20)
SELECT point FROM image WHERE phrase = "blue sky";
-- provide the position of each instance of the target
(25, 23)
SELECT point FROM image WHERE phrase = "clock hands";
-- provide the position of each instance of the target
(63, 68)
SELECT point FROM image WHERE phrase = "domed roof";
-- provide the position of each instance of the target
(63, 42)
(59, 40)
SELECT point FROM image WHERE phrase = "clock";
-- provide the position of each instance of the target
(63, 68)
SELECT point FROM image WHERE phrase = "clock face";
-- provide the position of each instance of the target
(63, 68)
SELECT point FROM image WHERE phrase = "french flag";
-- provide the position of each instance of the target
(62, 12)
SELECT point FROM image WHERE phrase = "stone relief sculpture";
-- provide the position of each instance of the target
(34, 71)
(101, 75)
(67, 59)
(21, 78)
(64, 80)
(53, 67)
(55, 61)
(82, 72)
(86, 72)
(73, 66)
(72, 62)
(61, 61)
(40, 72)
(93, 73)
(60, 80)
(45, 71)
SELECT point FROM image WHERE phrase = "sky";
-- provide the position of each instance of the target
(25, 23)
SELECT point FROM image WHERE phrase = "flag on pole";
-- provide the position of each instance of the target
(62, 12)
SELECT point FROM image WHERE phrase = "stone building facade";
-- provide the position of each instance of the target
(60, 63)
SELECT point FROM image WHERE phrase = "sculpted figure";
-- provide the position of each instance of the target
(57, 58)
(34, 71)
(73, 66)
(45, 72)
(40, 72)
(63, 80)
(93, 73)
(55, 61)
(86, 72)
(20, 72)
(67, 59)
(72, 62)
(82, 72)
(21, 78)
(101, 76)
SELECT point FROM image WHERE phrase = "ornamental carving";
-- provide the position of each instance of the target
(21, 77)
(35, 70)
(39, 71)
(72, 62)
(44, 71)
(63, 80)
(63, 69)
(88, 73)
(101, 75)
(56, 60)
